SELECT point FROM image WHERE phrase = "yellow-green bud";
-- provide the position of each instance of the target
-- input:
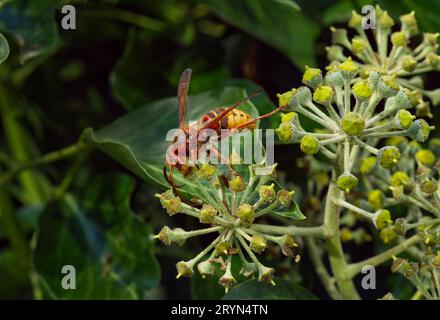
(358, 45)
(312, 77)
(429, 237)
(323, 95)
(436, 260)
(285, 197)
(399, 178)
(170, 202)
(346, 234)
(237, 184)
(388, 235)
(353, 123)
(222, 249)
(430, 38)
(348, 68)
(246, 213)
(433, 59)
(385, 21)
(339, 36)
(367, 164)
(408, 63)
(355, 20)
(382, 219)
(423, 109)
(375, 199)
(285, 131)
(362, 89)
(406, 98)
(168, 236)
(399, 39)
(206, 171)
(429, 186)
(404, 118)
(396, 141)
(335, 53)
(287, 117)
(346, 182)
(388, 86)
(388, 156)
(258, 243)
(267, 193)
(419, 130)
(207, 214)
(184, 269)
(284, 98)
(409, 23)
(309, 144)
(425, 157)
(334, 78)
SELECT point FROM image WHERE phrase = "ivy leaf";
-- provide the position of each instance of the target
(32, 23)
(4, 48)
(277, 23)
(283, 290)
(100, 237)
(293, 212)
(138, 139)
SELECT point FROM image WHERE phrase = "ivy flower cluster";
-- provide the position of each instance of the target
(379, 110)
(229, 209)
(390, 53)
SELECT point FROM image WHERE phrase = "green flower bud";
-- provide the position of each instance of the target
(207, 214)
(170, 202)
(423, 109)
(302, 96)
(285, 132)
(206, 267)
(335, 53)
(409, 23)
(222, 249)
(346, 182)
(374, 77)
(433, 59)
(399, 265)
(362, 90)
(184, 269)
(408, 63)
(168, 236)
(323, 95)
(358, 45)
(236, 184)
(288, 117)
(309, 144)
(400, 226)
(419, 130)
(430, 38)
(355, 20)
(399, 178)
(285, 197)
(388, 156)
(425, 157)
(348, 69)
(334, 78)
(388, 86)
(385, 21)
(429, 186)
(346, 235)
(429, 237)
(375, 199)
(265, 274)
(367, 164)
(227, 281)
(404, 118)
(206, 171)
(339, 36)
(284, 98)
(382, 219)
(312, 77)
(353, 123)
(246, 213)
(388, 235)
(267, 193)
(406, 98)
(287, 243)
(258, 243)
(399, 39)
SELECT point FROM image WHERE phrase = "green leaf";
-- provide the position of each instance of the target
(100, 236)
(339, 12)
(4, 48)
(283, 290)
(293, 212)
(13, 278)
(33, 25)
(276, 23)
(138, 139)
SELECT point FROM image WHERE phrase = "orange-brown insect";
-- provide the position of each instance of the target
(221, 118)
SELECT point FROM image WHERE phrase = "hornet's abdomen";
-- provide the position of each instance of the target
(232, 120)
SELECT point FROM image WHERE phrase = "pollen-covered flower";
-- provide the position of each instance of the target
(232, 210)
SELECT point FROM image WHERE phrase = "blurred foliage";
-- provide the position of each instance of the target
(113, 73)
